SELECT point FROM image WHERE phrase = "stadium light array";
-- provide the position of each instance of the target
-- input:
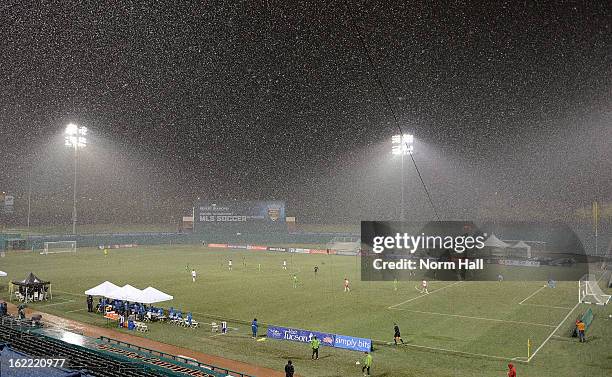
(75, 136)
(402, 144)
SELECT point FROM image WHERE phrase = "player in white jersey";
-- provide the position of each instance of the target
(193, 275)
(284, 264)
(347, 285)
(229, 264)
(424, 287)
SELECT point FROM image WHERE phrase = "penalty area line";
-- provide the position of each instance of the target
(464, 353)
(423, 295)
(553, 332)
(531, 295)
(478, 318)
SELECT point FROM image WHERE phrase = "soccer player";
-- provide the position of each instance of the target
(105, 252)
(315, 344)
(284, 264)
(500, 278)
(254, 327)
(424, 287)
(193, 274)
(229, 264)
(347, 287)
(295, 281)
(367, 363)
(511, 370)
(581, 327)
(395, 284)
(223, 327)
(396, 334)
(316, 269)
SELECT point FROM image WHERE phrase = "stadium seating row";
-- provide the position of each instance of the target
(77, 358)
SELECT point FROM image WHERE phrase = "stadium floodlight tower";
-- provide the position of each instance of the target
(402, 145)
(75, 139)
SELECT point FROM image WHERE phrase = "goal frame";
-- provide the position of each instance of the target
(589, 291)
(71, 249)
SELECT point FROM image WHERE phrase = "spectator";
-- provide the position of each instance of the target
(90, 304)
(289, 370)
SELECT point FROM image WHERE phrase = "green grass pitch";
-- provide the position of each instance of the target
(459, 329)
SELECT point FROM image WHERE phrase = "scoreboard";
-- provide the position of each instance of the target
(240, 212)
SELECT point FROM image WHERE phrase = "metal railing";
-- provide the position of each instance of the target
(178, 358)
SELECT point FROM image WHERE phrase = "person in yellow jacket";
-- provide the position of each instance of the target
(315, 344)
(367, 363)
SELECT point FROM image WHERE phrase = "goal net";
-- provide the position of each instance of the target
(59, 247)
(589, 291)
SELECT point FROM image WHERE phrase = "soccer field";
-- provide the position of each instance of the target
(458, 329)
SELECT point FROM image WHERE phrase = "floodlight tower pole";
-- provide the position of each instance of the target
(75, 138)
(30, 195)
(402, 188)
(74, 198)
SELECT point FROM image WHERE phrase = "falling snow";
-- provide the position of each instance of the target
(510, 107)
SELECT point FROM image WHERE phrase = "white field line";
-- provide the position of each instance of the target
(531, 295)
(478, 318)
(70, 293)
(548, 307)
(423, 295)
(459, 352)
(553, 332)
(58, 303)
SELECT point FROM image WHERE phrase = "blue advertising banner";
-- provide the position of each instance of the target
(297, 335)
(330, 340)
(352, 343)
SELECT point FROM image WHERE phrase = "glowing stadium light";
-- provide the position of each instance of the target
(402, 144)
(75, 136)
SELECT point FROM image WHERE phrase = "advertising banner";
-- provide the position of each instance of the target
(322, 251)
(299, 250)
(256, 247)
(302, 336)
(282, 249)
(352, 343)
(219, 245)
(329, 340)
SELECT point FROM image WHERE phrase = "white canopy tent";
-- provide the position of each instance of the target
(522, 245)
(152, 295)
(102, 289)
(126, 293)
(493, 241)
(148, 295)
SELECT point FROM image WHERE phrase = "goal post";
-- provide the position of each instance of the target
(589, 291)
(59, 247)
